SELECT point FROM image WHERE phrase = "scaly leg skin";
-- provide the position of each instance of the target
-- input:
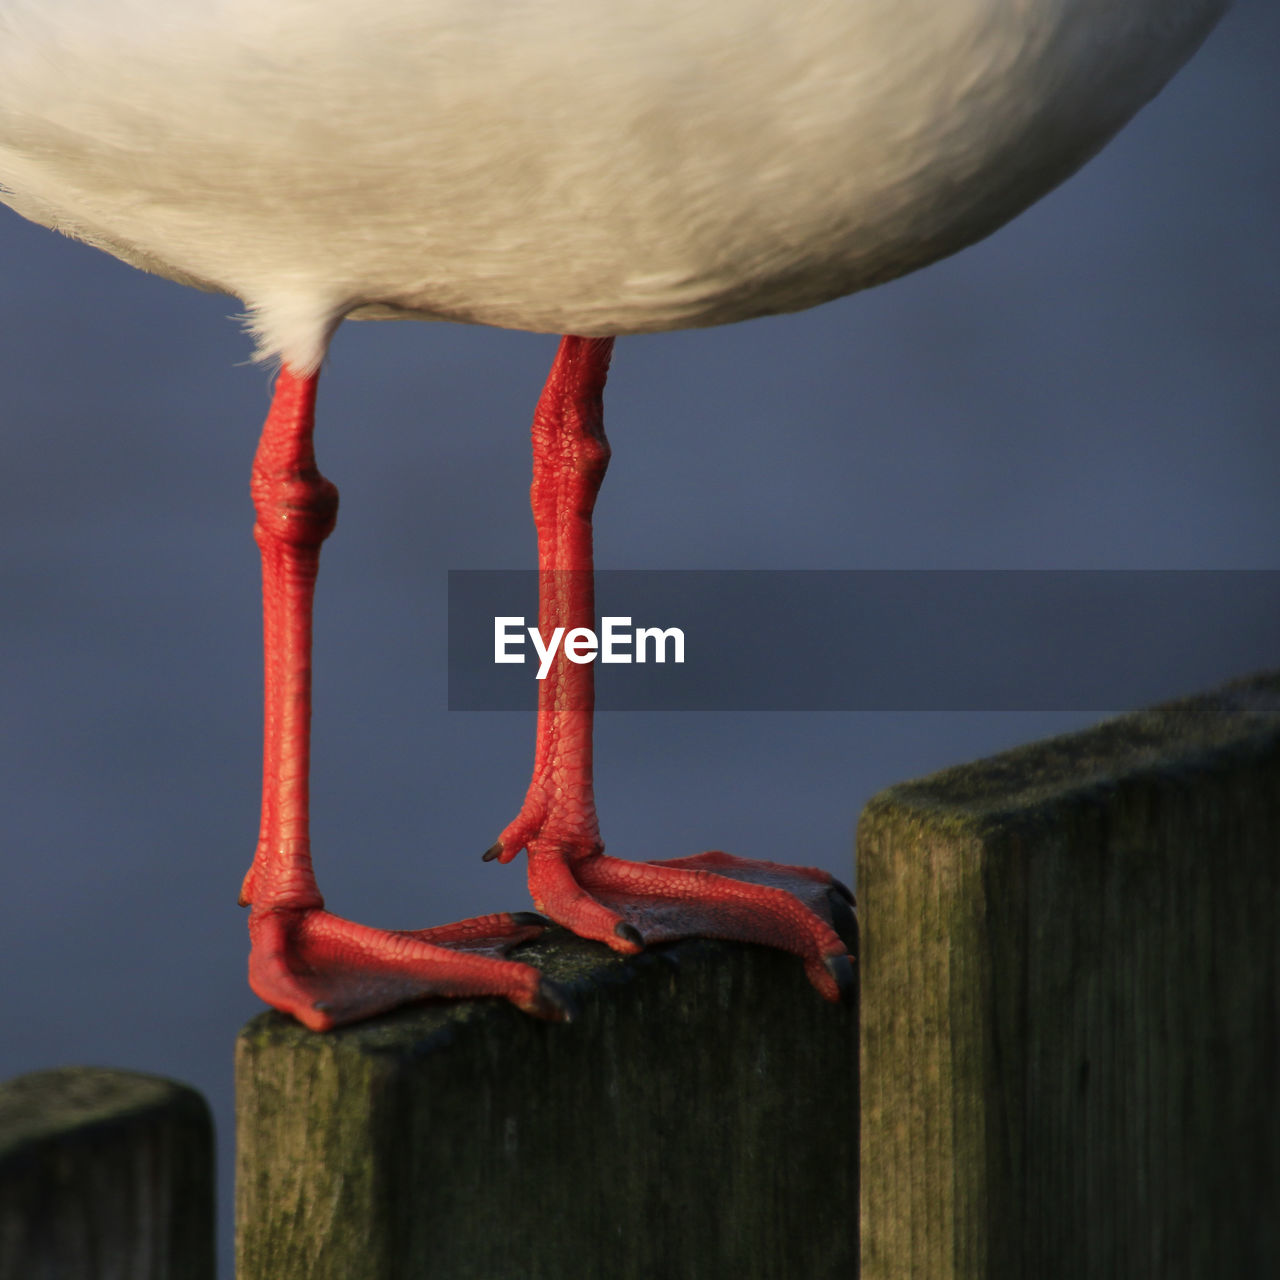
(629, 904)
(324, 970)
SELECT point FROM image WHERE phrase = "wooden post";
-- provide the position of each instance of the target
(698, 1120)
(1071, 1005)
(104, 1175)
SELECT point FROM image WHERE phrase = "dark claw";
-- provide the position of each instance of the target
(555, 1003)
(629, 933)
(844, 919)
(841, 969)
(530, 917)
(492, 852)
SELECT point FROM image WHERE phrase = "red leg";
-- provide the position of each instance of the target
(628, 904)
(322, 969)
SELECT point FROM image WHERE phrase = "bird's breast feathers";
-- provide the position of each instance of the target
(561, 165)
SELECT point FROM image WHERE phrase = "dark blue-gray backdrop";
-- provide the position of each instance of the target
(1094, 387)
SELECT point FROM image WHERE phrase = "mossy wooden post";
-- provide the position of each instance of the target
(697, 1121)
(104, 1175)
(1071, 1005)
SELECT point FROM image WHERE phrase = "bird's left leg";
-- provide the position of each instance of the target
(628, 904)
(319, 967)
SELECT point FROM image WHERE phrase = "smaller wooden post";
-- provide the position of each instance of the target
(104, 1175)
(1071, 1005)
(698, 1121)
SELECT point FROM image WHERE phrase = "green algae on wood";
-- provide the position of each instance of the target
(697, 1120)
(1071, 1028)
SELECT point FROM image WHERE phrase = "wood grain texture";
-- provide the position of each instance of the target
(1071, 1005)
(697, 1120)
(104, 1175)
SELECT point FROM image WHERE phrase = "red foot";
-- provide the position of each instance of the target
(327, 971)
(712, 895)
(628, 904)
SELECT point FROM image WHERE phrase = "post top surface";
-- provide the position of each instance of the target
(43, 1105)
(1170, 740)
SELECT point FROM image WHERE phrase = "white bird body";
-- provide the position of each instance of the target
(593, 167)
(557, 165)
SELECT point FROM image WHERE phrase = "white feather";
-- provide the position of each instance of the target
(572, 166)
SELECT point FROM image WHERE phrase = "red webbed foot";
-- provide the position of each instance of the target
(324, 970)
(327, 971)
(629, 905)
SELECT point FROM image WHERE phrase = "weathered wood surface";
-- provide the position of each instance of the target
(1071, 1005)
(698, 1120)
(104, 1175)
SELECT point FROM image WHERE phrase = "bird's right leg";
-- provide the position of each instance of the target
(625, 904)
(316, 966)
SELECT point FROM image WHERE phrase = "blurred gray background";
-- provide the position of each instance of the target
(1094, 387)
